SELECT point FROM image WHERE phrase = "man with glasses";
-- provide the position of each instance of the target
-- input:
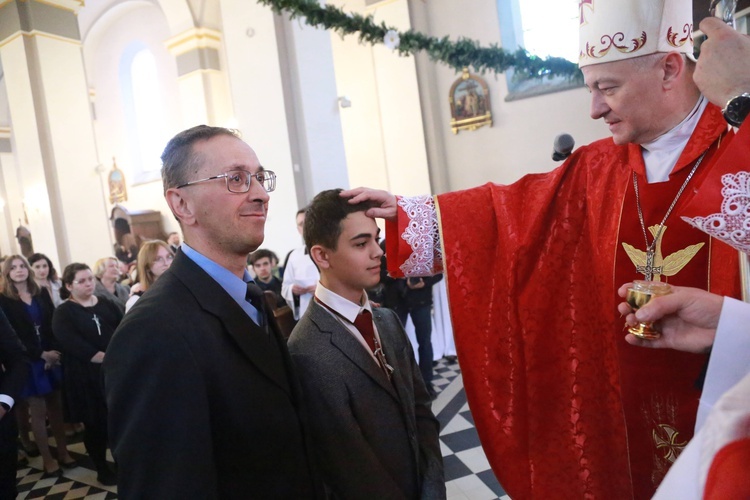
(202, 399)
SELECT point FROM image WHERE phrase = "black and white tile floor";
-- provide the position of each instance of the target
(467, 474)
(79, 482)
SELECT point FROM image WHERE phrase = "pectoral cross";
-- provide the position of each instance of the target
(98, 324)
(649, 269)
(380, 356)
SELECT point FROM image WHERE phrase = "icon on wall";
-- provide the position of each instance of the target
(118, 191)
(470, 103)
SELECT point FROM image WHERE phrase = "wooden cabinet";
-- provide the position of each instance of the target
(132, 228)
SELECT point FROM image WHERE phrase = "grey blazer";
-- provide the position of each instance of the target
(374, 438)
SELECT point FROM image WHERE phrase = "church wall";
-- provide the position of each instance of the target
(109, 45)
(72, 183)
(11, 210)
(24, 174)
(383, 131)
(520, 139)
(52, 145)
(255, 78)
(361, 126)
(315, 113)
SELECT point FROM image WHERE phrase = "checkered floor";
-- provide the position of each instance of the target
(79, 482)
(467, 473)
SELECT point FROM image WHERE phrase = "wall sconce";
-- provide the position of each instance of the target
(345, 102)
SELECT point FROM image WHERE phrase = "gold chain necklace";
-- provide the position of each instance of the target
(649, 269)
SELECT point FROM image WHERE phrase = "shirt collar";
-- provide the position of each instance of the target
(342, 306)
(677, 138)
(234, 286)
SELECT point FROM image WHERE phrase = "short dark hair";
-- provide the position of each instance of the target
(324, 216)
(178, 158)
(69, 276)
(261, 253)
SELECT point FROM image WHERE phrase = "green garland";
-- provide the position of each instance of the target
(459, 54)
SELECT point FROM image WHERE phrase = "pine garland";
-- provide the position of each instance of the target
(459, 54)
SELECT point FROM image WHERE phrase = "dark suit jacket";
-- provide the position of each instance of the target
(19, 318)
(375, 438)
(202, 402)
(12, 357)
(12, 380)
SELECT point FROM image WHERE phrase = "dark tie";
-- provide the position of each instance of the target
(363, 322)
(254, 295)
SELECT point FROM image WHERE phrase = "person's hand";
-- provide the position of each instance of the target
(687, 319)
(388, 208)
(722, 71)
(299, 290)
(311, 289)
(98, 358)
(51, 358)
(415, 285)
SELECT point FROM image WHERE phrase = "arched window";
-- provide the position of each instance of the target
(144, 111)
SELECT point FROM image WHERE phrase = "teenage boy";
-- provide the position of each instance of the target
(372, 427)
(260, 260)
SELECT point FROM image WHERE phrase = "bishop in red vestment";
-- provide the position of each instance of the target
(564, 407)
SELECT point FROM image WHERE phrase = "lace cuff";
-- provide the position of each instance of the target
(422, 235)
(732, 224)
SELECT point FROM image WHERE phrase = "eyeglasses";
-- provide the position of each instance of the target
(164, 260)
(238, 181)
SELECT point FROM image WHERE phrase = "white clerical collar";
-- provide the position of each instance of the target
(342, 306)
(661, 154)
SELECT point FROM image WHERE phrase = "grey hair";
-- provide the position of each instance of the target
(179, 159)
(650, 60)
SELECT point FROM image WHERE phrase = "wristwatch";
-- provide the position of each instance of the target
(737, 109)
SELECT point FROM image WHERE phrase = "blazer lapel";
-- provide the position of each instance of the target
(263, 351)
(344, 341)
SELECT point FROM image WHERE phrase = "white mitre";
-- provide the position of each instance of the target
(612, 30)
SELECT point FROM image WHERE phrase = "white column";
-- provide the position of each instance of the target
(53, 137)
(204, 90)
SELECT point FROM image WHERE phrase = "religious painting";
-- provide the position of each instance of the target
(470, 103)
(118, 191)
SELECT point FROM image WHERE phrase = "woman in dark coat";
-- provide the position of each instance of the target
(29, 310)
(83, 325)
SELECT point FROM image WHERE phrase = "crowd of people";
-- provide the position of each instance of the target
(202, 398)
(64, 324)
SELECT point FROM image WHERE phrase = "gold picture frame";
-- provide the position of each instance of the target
(118, 190)
(469, 99)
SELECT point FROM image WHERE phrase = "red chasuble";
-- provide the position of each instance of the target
(563, 406)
